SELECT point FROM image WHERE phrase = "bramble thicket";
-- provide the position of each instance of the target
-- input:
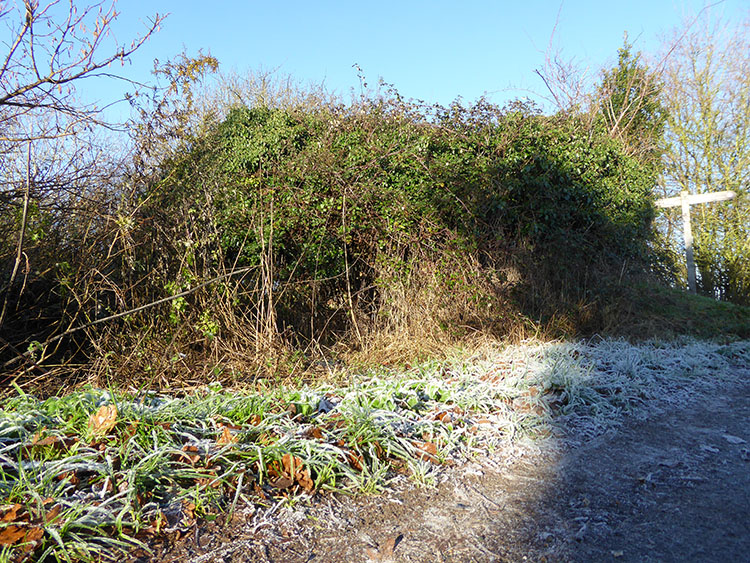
(247, 234)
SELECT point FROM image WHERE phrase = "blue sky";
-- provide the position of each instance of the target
(435, 51)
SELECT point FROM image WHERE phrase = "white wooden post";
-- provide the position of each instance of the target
(687, 232)
(685, 201)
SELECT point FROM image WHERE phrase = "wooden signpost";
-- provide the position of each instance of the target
(686, 200)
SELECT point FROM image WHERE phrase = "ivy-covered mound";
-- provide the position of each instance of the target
(383, 214)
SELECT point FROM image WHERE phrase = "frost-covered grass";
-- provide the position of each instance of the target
(77, 486)
(591, 385)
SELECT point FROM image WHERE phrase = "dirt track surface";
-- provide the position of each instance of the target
(672, 485)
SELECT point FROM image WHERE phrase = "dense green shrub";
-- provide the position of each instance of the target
(337, 205)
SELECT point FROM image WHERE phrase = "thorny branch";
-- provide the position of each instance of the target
(72, 330)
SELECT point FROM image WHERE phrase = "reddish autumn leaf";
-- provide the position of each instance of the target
(287, 472)
(105, 487)
(305, 480)
(386, 549)
(294, 467)
(524, 405)
(9, 513)
(130, 430)
(159, 522)
(188, 509)
(59, 443)
(446, 418)
(103, 420)
(428, 451)
(316, 433)
(282, 482)
(226, 437)
(355, 461)
(10, 535)
(274, 469)
(13, 534)
(189, 454)
(38, 440)
(430, 448)
(52, 514)
(385, 552)
(34, 535)
(291, 463)
(70, 475)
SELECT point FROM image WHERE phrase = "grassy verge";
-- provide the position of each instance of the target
(95, 473)
(653, 311)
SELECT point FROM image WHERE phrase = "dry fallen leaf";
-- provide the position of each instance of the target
(355, 460)
(190, 454)
(188, 510)
(524, 405)
(446, 418)
(9, 513)
(34, 535)
(428, 447)
(12, 535)
(159, 522)
(428, 451)
(59, 443)
(282, 482)
(130, 430)
(38, 440)
(303, 478)
(291, 463)
(52, 514)
(103, 420)
(385, 551)
(316, 433)
(71, 476)
(226, 437)
(294, 469)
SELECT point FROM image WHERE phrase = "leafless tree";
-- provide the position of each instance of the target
(50, 141)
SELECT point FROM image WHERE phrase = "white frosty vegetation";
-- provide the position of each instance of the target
(157, 463)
